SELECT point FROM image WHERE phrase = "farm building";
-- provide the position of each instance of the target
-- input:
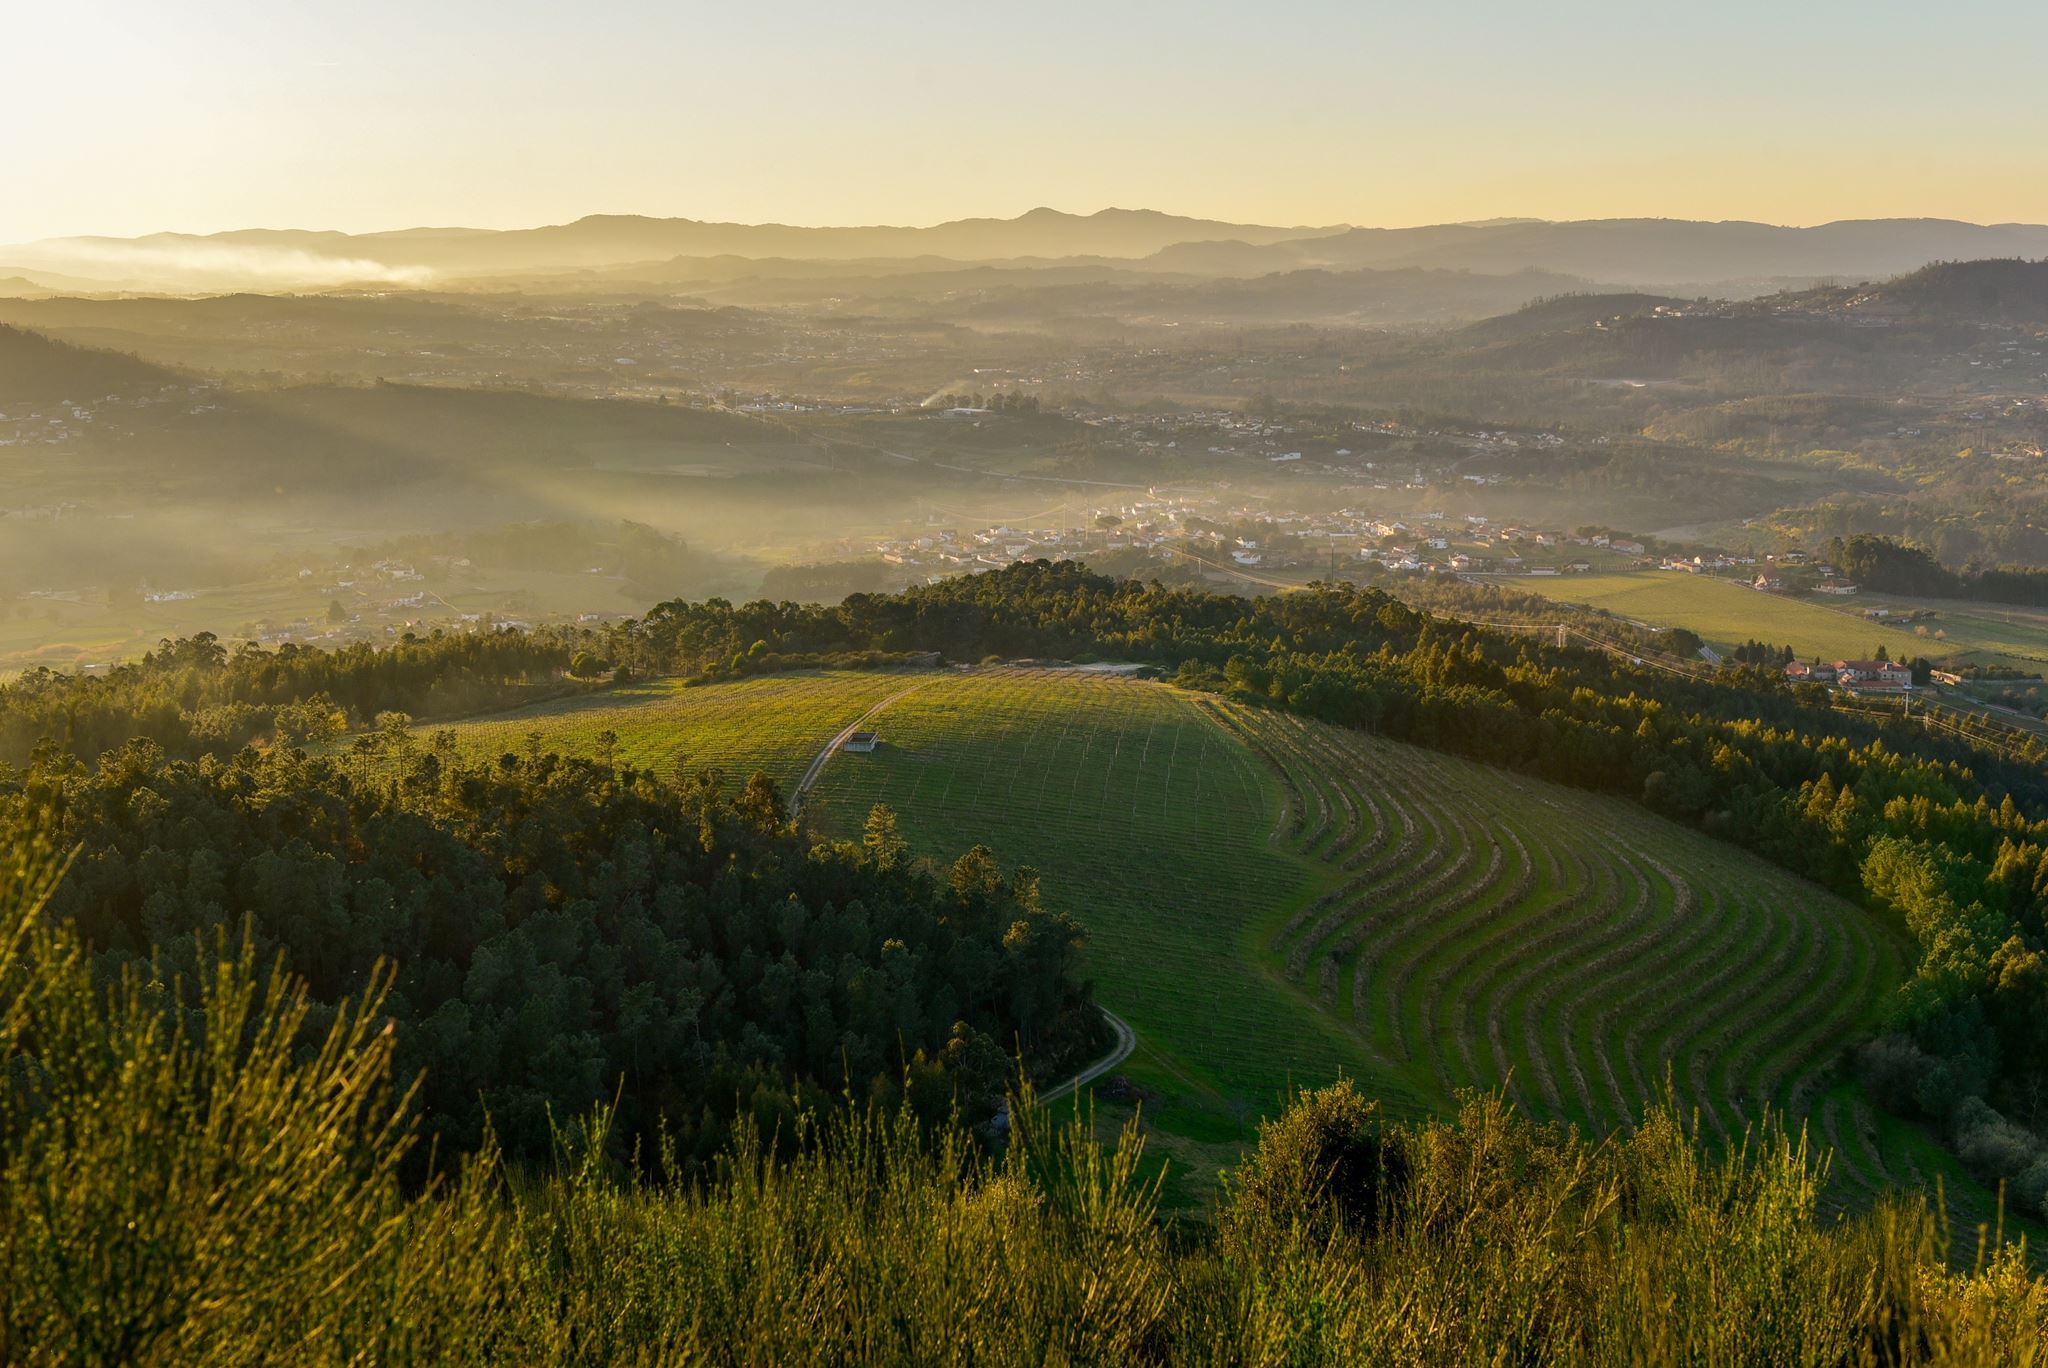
(861, 741)
(1874, 676)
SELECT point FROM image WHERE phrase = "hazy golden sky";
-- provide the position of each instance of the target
(124, 117)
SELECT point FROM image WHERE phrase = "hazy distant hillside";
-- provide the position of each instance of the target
(282, 257)
(343, 438)
(1371, 298)
(1980, 291)
(1239, 258)
(1026, 293)
(743, 280)
(504, 446)
(1668, 253)
(1565, 311)
(38, 370)
(615, 239)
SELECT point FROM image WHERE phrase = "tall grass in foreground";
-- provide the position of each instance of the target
(188, 1180)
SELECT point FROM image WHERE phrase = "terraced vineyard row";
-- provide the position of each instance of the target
(1483, 930)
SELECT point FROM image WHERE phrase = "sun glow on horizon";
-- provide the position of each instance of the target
(228, 114)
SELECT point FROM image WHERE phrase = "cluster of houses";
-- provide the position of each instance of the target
(1143, 524)
(1857, 676)
(1793, 571)
(57, 423)
(1487, 548)
(1320, 448)
(1427, 543)
(1166, 525)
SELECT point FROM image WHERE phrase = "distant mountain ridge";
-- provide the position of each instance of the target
(610, 240)
(1666, 254)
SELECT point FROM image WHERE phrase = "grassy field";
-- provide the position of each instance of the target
(1727, 613)
(2003, 633)
(1272, 902)
(1151, 825)
(775, 723)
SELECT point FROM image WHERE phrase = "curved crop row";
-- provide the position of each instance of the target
(1487, 931)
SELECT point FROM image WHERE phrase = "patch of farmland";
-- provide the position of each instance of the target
(1727, 613)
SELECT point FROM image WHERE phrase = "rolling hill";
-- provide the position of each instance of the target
(1564, 311)
(1271, 901)
(149, 422)
(1996, 291)
(35, 369)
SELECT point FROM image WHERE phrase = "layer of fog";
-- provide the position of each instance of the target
(180, 265)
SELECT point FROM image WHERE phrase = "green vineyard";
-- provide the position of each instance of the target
(1151, 826)
(775, 723)
(1271, 901)
(1484, 930)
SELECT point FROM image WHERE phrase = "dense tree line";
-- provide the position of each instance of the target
(1896, 568)
(1755, 652)
(196, 696)
(565, 933)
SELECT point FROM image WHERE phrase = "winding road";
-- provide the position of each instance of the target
(1126, 1041)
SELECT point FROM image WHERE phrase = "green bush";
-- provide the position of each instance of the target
(1326, 1161)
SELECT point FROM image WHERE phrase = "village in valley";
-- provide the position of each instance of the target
(1246, 544)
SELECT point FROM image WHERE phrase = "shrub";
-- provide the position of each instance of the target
(1992, 1145)
(1892, 1067)
(1327, 1162)
(2029, 1191)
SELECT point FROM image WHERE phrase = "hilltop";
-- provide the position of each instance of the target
(39, 369)
(1995, 291)
(1565, 311)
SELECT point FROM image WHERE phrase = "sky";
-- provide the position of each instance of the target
(132, 116)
